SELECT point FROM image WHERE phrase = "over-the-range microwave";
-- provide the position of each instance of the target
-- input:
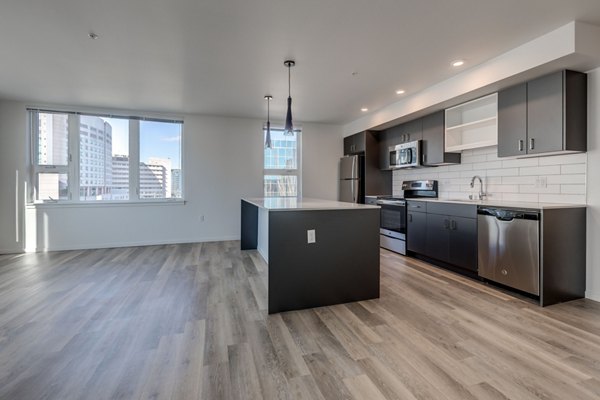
(405, 155)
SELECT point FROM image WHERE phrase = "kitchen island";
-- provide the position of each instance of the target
(319, 252)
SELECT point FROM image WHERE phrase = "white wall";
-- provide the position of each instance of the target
(222, 163)
(593, 187)
(508, 179)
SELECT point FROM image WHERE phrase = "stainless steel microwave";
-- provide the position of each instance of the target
(405, 155)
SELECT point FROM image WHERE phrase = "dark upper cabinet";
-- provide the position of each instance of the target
(413, 130)
(355, 144)
(366, 144)
(547, 114)
(512, 121)
(434, 141)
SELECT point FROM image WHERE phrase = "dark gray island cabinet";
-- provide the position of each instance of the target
(319, 252)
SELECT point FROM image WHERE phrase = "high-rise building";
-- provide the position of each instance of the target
(53, 149)
(95, 159)
(176, 183)
(53, 139)
(120, 177)
(162, 174)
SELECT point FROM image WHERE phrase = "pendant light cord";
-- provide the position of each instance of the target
(289, 80)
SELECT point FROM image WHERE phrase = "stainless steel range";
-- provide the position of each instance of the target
(392, 228)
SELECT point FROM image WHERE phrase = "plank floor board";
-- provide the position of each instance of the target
(190, 322)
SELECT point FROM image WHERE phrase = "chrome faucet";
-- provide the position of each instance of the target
(481, 194)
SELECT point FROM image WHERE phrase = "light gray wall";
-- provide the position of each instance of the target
(593, 187)
(222, 162)
(323, 148)
(13, 160)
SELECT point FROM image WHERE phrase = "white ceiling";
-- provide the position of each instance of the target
(220, 57)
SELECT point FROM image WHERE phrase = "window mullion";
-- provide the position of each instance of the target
(73, 169)
(134, 159)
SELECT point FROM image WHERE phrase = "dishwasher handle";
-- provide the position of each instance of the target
(509, 214)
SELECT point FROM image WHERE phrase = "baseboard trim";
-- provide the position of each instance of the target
(592, 296)
(133, 244)
(11, 251)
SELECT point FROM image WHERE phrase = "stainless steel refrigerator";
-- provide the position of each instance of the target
(350, 186)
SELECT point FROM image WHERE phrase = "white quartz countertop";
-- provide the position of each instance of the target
(303, 203)
(505, 203)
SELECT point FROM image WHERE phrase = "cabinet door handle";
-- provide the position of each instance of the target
(446, 224)
(453, 225)
(409, 217)
(521, 145)
(531, 144)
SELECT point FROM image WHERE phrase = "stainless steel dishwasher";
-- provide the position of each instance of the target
(509, 247)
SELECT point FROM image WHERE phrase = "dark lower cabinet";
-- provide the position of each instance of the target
(438, 237)
(463, 243)
(416, 232)
(448, 234)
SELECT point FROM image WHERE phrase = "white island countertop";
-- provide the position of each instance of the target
(302, 203)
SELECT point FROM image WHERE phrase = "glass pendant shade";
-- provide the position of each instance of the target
(289, 126)
(268, 143)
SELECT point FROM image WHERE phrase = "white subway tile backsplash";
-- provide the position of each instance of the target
(530, 180)
(523, 162)
(446, 175)
(546, 170)
(503, 172)
(577, 158)
(572, 189)
(528, 197)
(573, 169)
(473, 159)
(501, 188)
(533, 189)
(460, 167)
(510, 179)
(570, 178)
(488, 165)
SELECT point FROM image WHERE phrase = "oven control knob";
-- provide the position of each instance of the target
(504, 272)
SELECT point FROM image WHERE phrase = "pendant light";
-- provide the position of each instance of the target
(289, 126)
(268, 144)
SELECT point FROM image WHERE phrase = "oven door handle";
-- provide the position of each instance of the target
(391, 203)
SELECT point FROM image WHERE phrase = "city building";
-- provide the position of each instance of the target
(176, 183)
(95, 159)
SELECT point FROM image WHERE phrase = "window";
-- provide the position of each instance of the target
(160, 160)
(105, 157)
(282, 172)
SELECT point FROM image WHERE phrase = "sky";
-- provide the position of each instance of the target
(157, 139)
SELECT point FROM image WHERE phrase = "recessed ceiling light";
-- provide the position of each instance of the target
(364, 109)
(457, 63)
(400, 91)
(93, 36)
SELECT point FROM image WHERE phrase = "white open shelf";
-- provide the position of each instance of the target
(472, 125)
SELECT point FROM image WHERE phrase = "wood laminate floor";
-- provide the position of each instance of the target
(189, 322)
